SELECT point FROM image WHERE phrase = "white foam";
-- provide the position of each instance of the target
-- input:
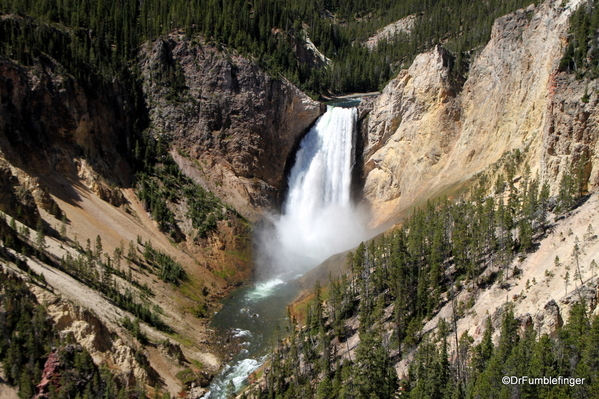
(238, 332)
(319, 218)
(236, 374)
(242, 371)
(264, 289)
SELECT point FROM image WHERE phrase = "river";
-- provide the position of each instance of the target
(253, 314)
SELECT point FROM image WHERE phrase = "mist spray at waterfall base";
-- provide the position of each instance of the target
(318, 218)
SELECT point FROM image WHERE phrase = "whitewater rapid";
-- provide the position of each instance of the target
(250, 315)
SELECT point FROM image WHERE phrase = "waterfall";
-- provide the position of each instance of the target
(318, 217)
(321, 175)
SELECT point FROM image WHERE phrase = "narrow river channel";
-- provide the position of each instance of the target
(253, 314)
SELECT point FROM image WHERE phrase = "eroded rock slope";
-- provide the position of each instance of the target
(428, 133)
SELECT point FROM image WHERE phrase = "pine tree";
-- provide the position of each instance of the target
(63, 227)
(40, 240)
(98, 248)
(374, 375)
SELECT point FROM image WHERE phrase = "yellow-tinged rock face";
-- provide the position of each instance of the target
(428, 133)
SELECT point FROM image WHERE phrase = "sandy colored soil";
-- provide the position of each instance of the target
(89, 216)
(6, 391)
(540, 266)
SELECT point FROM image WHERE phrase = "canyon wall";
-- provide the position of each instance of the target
(233, 128)
(429, 133)
(52, 127)
(66, 168)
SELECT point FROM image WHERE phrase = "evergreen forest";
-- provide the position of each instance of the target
(27, 336)
(99, 40)
(394, 284)
(582, 53)
(160, 181)
(398, 281)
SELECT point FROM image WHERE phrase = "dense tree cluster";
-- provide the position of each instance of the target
(461, 26)
(27, 338)
(478, 370)
(95, 268)
(582, 53)
(169, 271)
(159, 181)
(100, 276)
(103, 36)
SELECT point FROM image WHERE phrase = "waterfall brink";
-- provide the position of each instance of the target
(318, 218)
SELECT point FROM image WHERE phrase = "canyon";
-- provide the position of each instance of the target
(66, 158)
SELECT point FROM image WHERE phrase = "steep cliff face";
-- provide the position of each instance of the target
(424, 139)
(101, 341)
(233, 128)
(410, 130)
(14, 199)
(572, 128)
(51, 126)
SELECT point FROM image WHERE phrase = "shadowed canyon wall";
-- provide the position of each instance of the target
(233, 127)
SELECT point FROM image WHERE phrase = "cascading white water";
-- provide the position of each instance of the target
(321, 175)
(318, 218)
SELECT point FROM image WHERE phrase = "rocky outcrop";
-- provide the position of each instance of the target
(196, 393)
(391, 31)
(50, 376)
(104, 346)
(15, 200)
(412, 125)
(425, 139)
(173, 351)
(572, 128)
(540, 295)
(548, 320)
(232, 127)
(307, 53)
